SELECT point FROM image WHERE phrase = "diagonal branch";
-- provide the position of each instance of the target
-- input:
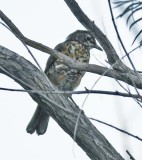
(58, 106)
(116, 73)
(121, 130)
(102, 39)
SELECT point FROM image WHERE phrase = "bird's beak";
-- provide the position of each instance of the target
(98, 47)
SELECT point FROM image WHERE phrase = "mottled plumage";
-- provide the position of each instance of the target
(77, 46)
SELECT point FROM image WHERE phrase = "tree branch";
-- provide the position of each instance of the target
(121, 130)
(131, 157)
(87, 91)
(58, 106)
(117, 73)
(112, 56)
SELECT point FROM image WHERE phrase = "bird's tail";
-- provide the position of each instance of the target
(39, 122)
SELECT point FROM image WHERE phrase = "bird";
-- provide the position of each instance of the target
(76, 46)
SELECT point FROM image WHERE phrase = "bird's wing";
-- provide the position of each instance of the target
(51, 59)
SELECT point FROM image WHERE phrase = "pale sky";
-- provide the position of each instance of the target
(50, 22)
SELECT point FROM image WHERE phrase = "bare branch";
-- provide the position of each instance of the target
(118, 35)
(87, 91)
(102, 39)
(104, 42)
(57, 105)
(131, 157)
(121, 130)
(120, 40)
(120, 74)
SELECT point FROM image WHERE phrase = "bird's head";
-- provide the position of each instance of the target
(84, 37)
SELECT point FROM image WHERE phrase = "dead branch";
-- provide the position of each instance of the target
(112, 55)
(58, 106)
(87, 91)
(114, 127)
(120, 71)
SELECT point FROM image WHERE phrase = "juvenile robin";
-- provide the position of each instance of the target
(77, 46)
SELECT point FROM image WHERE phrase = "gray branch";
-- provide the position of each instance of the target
(120, 71)
(63, 111)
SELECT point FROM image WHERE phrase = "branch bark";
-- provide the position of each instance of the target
(87, 91)
(120, 71)
(112, 56)
(58, 106)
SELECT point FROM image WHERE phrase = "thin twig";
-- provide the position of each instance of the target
(131, 157)
(120, 40)
(70, 62)
(116, 93)
(121, 130)
(12, 27)
(23, 44)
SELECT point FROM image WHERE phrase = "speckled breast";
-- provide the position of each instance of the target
(63, 76)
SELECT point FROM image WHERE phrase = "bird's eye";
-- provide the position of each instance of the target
(88, 38)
